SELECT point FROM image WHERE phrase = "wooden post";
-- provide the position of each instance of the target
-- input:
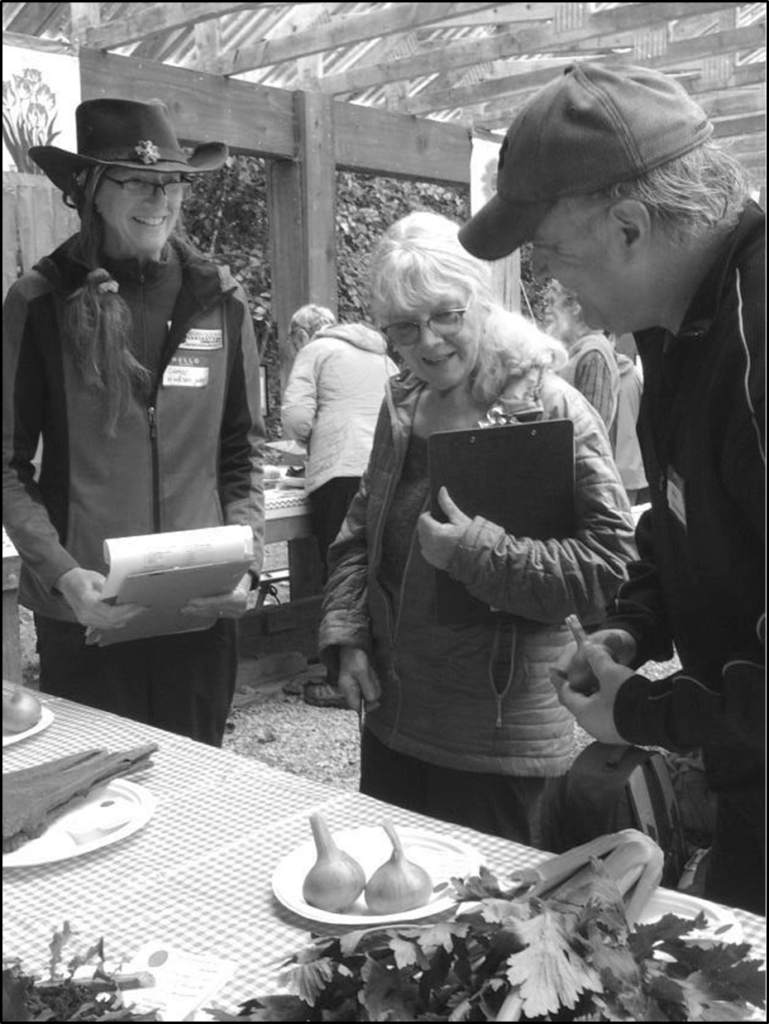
(301, 204)
(302, 219)
(289, 286)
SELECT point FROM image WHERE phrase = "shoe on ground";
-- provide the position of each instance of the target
(323, 695)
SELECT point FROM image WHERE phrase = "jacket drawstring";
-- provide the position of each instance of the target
(495, 655)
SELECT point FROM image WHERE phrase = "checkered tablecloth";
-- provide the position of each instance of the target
(198, 875)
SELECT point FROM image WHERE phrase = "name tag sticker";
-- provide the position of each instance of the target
(203, 340)
(676, 495)
(185, 377)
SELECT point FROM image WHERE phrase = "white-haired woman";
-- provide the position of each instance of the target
(462, 721)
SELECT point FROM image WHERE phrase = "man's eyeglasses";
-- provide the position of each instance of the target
(145, 187)
(445, 324)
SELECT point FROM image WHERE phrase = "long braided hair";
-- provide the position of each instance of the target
(97, 321)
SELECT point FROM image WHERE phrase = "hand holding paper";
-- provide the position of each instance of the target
(83, 590)
(229, 605)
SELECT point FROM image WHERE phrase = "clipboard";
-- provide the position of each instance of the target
(519, 476)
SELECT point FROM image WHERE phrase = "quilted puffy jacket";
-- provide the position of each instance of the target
(477, 697)
(333, 397)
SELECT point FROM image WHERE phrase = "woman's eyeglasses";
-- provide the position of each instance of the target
(445, 324)
(145, 188)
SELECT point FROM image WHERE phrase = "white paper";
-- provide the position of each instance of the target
(184, 982)
(127, 556)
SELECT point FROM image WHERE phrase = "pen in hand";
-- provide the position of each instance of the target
(577, 632)
(583, 679)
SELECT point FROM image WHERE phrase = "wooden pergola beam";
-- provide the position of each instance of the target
(748, 74)
(503, 14)
(259, 120)
(737, 93)
(728, 127)
(604, 29)
(716, 104)
(353, 28)
(675, 57)
(733, 102)
(425, 62)
(749, 145)
(154, 18)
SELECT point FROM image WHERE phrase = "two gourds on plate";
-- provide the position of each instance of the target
(336, 880)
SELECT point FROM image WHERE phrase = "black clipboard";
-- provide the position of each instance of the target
(519, 476)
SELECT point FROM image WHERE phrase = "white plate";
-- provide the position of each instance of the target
(722, 925)
(44, 721)
(441, 856)
(107, 815)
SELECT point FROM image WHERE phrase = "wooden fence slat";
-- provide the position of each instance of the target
(35, 219)
(10, 232)
(35, 222)
(65, 221)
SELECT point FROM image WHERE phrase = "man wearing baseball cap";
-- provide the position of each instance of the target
(611, 174)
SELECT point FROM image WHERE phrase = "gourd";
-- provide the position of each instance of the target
(398, 884)
(336, 879)
(21, 710)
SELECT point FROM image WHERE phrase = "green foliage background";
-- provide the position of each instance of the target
(226, 217)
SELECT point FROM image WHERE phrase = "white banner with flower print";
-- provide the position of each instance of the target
(483, 171)
(506, 273)
(41, 90)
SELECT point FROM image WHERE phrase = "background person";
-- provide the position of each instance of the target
(466, 726)
(331, 404)
(609, 380)
(624, 434)
(592, 367)
(305, 324)
(612, 174)
(134, 359)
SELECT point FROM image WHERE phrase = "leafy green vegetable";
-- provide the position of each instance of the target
(61, 997)
(571, 957)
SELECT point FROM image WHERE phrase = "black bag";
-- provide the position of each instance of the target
(610, 787)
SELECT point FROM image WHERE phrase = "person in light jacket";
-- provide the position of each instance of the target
(592, 367)
(462, 722)
(331, 404)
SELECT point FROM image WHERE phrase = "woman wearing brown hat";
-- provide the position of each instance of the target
(134, 360)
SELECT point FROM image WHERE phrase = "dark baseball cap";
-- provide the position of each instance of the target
(592, 127)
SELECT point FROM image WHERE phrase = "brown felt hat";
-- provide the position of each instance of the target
(124, 133)
(592, 127)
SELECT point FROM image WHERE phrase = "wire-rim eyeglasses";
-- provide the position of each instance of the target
(445, 323)
(146, 187)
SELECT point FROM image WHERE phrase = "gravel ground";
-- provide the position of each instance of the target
(322, 744)
(279, 729)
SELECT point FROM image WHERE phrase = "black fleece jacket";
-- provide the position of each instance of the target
(699, 582)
